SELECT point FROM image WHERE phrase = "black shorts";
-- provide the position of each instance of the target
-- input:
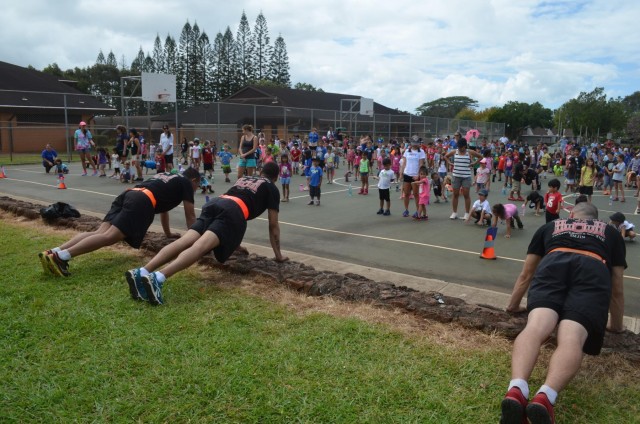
(586, 190)
(383, 193)
(548, 216)
(208, 166)
(132, 213)
(578, 288)
(224, 218)
(169, 159)
(407, 179)
(314, 191)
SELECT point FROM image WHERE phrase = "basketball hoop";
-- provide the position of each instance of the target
(163, 97)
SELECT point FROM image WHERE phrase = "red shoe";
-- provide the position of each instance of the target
(520, 199)
(366, 192)
(361, 192)
(540, 410)
(513, 407)
(512, 198)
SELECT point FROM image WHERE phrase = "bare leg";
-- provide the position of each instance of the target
(250, 171)
(78, 237)
(172, 250)
(97, 241)
(467, 199)
(406, 189)
(240, 172)
(566, 360)
(203, 245)
(454, 201)
(526, 348)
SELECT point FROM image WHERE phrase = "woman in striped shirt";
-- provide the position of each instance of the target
(462, 174)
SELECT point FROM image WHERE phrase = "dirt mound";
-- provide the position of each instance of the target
(348, 287)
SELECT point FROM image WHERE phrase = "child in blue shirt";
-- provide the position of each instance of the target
(314, 180)
(225, 160)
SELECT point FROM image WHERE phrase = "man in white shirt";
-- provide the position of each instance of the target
(166, 142)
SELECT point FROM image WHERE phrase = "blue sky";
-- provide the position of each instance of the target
(401, 53)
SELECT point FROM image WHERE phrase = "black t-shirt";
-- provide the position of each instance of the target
(530, 176)
(592, 235)
(258, 193)
(517, 171)
(184, 147)
(169, 190)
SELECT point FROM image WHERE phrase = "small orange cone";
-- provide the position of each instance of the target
(487, 251)
(2, 173)
(61, 184)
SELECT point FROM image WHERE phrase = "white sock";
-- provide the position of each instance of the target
(64, 255)
(160, 277)
(56, 249)
(143, 272)
(520, 384)
(551, 394)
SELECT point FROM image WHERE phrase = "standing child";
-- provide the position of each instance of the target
(626, 228)
(225, 161)
(161, 162)
(482, 175)
(314, 181)
(207, 159)
(285, 176)
(509, 213)
(115, 158)
(570, 171)
(481, 209)
(356, 163)
(436, 183)
(385, 177)
(424, 192)
(196, 150)
(553, 200)
(618, 177)
(103, 158)
(351, 157)
(364, 168)
(330, 163)
(295, 158)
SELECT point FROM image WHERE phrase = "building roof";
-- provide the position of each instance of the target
(23, 89)
(289, 97)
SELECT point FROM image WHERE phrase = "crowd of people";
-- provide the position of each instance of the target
(574, 266)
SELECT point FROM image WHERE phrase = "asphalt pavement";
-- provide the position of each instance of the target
(345, 230)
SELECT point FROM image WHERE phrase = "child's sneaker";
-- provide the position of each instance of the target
(380, 211)
(94, 173)
(136, 288)
(416, 216)
(57, 266)
(513, 406)
(84, 174)
(405, 213)
(310, 203)
(387, 212)
(43, 261)
(153, 288)
(513, 199)
(540, 410)
(424, 218)
(317, 202)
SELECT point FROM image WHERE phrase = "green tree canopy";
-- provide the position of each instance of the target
(518, 115)
(307, 87)
(446, 107)
(592, 112)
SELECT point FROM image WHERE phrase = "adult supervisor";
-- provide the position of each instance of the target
(220, 228)
(573, 269)
(412, 160)
(166, 142)
(49, 157)
(131, 215)
(462, 174)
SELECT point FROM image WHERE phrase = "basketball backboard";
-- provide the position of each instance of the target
(366, 106)
(158, 87)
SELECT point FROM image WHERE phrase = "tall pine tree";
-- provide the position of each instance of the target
(279, 65)
(185, 48)
(159, 56)
(262, 48)
(244, 51)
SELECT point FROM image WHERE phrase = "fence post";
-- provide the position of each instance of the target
(67, 140)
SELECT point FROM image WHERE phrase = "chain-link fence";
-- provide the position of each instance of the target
(26, 130)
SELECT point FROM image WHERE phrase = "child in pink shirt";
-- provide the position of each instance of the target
(424, 192)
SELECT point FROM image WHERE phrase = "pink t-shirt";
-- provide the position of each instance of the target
(510, 210)
(424, 192)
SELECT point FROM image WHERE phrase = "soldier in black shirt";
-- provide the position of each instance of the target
(220, 228)
(129, 218)
(574, 268)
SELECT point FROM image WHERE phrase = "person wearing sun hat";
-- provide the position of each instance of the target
(83, 142)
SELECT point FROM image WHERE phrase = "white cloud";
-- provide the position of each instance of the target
(401, 53)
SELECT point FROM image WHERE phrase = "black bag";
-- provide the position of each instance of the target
(59, 210)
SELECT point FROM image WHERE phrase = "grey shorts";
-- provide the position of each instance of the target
(460, 182)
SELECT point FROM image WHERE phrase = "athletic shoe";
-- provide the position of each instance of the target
(387, 212)
(416, 216)
(454, 216)
(310, 203)
(366, 191)
(540, 410)
(153, 288)
(57, 266)
(380, 211)
(520, 199)
(136, 288)
(94, 173)
(424, 218)
(84, 174)
(512, 198)
(317, 203)
(466, 216)
(637, 212)
(139, 179)
(513, 407)
(405, 214)
(43, 261)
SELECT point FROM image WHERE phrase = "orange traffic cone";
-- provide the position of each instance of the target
(61, 184)
(2, 173)
(487, 251)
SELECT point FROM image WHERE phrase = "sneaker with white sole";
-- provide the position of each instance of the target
(153, 288)
(43, 261)
(454, 216)
(136, 288)
(466, 216)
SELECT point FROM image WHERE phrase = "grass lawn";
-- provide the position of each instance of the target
(224, 349)
(20, 159)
